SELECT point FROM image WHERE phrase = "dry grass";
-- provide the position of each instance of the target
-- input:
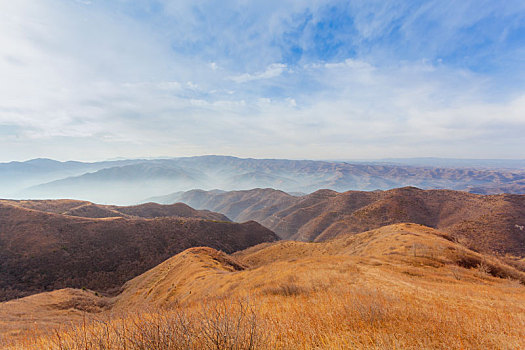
(363, 292)
(356, 318)
(214, 325)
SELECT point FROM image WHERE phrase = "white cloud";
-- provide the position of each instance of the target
(272, 71)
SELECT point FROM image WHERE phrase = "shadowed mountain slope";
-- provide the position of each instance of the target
(490, 223)
(41, 251)
(257, 204)
(153, 210)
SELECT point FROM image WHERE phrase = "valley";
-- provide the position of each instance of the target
(43, 251)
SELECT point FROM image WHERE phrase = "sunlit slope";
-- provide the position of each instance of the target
(44, 311)
(400, 286)
(379, 254)
(199, 271)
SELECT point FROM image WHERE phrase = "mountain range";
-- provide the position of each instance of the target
(130, 181)
(490, 223)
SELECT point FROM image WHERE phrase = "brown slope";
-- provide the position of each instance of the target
(174, 279)
(490, 223)
(43, 251)
(486, 223)
(153, 210)
(57, 206)
(91, 210)
(256, 204)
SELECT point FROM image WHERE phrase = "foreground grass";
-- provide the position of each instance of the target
(294, 317)
(353, 294)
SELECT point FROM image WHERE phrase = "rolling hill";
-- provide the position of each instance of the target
(491, 223)
(198, 273)
(43, 251)
(364, 290)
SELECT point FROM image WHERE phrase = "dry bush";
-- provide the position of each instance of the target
(487, 266)
(483, 270)
(286, 289)
(230, 326)
(215, 325)
(371, 306)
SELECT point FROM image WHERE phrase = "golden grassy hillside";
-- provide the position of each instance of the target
(44, 311)
(402, 286)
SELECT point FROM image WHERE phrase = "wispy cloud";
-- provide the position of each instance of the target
(309, 79)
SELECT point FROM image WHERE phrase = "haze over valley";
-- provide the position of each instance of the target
(132, 181)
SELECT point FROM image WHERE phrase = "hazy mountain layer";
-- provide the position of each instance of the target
(128, 183)
(16, 176)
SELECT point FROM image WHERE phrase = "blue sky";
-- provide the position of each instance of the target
(93, 79)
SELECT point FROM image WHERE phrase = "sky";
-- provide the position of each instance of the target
(100, 79)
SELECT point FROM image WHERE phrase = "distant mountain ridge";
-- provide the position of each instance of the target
(450, 162)
(128, 182)
(15, 176)
(491, 223)
(91, 210)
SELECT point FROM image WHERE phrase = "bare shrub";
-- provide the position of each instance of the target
(230, 326)
(370, 305)
(216, 325)
(286, 289)
(483, 270)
